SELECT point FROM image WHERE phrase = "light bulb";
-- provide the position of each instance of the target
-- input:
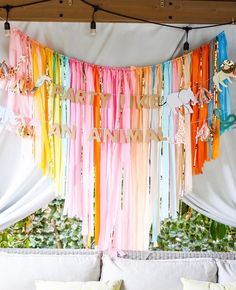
(186, 47)
(93, 28)
(7, 28)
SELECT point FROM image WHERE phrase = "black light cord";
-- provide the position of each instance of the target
(185, 28)
(7, 26)
(152, 22)
(7, 11)
(186, 44)
(127, 16)
(93, 22)
(97, 8)
(9, 7)
(213, 25)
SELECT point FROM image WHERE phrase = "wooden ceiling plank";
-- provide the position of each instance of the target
(179, 11)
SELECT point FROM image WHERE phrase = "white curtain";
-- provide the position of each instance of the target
(214, 192)
(23, 189)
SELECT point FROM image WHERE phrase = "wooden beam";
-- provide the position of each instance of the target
(166, 11)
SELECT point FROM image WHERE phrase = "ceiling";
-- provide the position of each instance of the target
(166, 11)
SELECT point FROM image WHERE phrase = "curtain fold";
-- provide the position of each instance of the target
(23, 189)
(214, 192)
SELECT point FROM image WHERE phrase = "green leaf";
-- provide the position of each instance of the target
(221, 231)
(213, 230)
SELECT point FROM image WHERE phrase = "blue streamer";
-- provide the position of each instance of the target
(224, 95)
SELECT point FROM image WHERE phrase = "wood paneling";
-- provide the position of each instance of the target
(172, 11)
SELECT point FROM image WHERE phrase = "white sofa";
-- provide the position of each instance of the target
(19, 268)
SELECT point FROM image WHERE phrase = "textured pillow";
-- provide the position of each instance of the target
(94, 285)
(157, 274)
(226, 271)
(200, 285)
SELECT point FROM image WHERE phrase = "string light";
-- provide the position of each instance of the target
(153, 22)
(93, 23)
(7, 26)
(96, 8)
(93, 28)
(186, 29)
(186, 44)
(8, 8)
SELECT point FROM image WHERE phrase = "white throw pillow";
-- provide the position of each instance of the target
(157, 274)
(19, 271)
(226, 271)
(200, 285)
(92, 285)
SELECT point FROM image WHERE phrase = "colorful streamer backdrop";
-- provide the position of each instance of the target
(119, 189)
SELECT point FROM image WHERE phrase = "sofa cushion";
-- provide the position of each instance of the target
(200, 285)
(157, 274)
(19, 272)
(226, 271)
(50, 285)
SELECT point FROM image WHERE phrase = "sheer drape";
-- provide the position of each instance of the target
(23, 190)
(214, 192)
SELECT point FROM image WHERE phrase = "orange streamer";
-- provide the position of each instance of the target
(195, 115)
(200, 80)
(203, 110)
(216, 140)
(216, 121)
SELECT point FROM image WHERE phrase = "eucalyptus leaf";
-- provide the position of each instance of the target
(221, 231)
(213, 230)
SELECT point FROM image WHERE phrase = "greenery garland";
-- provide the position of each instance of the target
(48, 228)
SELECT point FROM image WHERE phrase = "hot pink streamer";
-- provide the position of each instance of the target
(111, 118)
(88, 152)
(104, 74)
(74, 200)
(115, 209)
